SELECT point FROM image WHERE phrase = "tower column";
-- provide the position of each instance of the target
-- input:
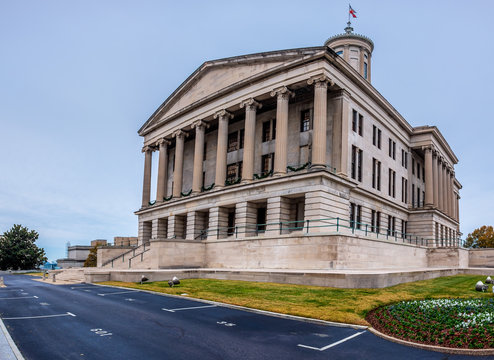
(179, 163)
(162, 170)
(320, 120)
(429, 186)
(197, 179)
(281, 144)
(251, 107)
(146, 186)
(223, 117)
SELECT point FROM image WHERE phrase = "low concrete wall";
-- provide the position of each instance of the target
(313, 252)
(338, 278)
(106, 253)
(481, 258)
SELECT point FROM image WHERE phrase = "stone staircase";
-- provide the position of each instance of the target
(137, 258)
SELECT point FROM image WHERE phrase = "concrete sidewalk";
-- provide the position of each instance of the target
(8, 349)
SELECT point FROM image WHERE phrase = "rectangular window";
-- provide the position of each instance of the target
(404, 225)
(352, 215)
(406, 160)
(360, 125)
(231, 222)
(354, 120)
(373, 220)
(378, 221)
(305, 120)
(356, 163)
(241, 137)
(205, 151)
(392, 149)
(266, 131)
(404, 190)
(391, 225)
(231, 172)
(374, 135)
(392, 183)
(233, 141)
(423, 173)
(413, 195)
(261, 219)
(359, 216)
(418, 170)
(267, 163)
(418, 197)
(376, 174)
(378, 138)
(413, 166)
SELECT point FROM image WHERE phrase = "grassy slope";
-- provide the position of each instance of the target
(340, 305)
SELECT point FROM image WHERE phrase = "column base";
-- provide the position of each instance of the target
(246, 181)
(278, 174)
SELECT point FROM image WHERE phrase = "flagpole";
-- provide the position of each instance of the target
(349, 7)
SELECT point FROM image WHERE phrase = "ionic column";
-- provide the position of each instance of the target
(197, 180)
(146, 186)
(179, 163)
(445, 189)
(440, 185)
(429, 186)
(320, 120)
(340, 134)
(435, 162)
(221, 150)
(451, 194)
(281, 144)
(251, 107)
(162, 170)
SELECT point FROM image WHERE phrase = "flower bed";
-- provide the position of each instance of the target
(458, 323)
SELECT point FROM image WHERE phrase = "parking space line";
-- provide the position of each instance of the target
(116, 293)
(38, 317)
(83, 287)
(19, 297)
(333, 344)
(189, 308)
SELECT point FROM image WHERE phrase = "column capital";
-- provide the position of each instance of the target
(250, 104)
(320, 81)
(163, 142)
(428, 148)
(223, 114)
(147, 148)
(282, 92)
(198, 124)
(180, 134)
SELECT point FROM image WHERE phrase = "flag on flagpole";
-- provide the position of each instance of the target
(352, 12)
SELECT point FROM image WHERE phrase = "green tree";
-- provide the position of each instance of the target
(483, 237)
(92, 258)
(18, 250)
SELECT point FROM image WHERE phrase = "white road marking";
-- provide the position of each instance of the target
(24, 293)
(333, 344)
(129, 299)
(87, 290)
(44, 303)
(189, 308)
(19, 297)
(115, 293)
(38, 317)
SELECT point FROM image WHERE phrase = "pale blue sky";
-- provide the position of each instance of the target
(78, 78)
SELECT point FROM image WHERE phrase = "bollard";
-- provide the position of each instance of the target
(54, 280)
(44, 275)
(1, 281)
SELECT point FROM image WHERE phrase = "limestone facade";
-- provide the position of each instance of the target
(291, 143)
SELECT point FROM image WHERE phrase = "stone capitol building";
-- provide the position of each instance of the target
(291, 159)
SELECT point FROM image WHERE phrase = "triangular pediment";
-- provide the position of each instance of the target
(216, 76)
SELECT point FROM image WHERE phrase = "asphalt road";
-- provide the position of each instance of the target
(86, 321)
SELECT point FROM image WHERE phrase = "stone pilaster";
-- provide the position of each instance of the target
(246, 219)
(320, 120)
(429, 186)
(191, 228)
(162, 170)
(444, 191)
(176, 226)
(197, 179)
(223, 117)
(251, 107)
(218, 223)
(340, 134)
(159, 229)
(179, 163)
(280, 154)
(146, 186)
(277, 213)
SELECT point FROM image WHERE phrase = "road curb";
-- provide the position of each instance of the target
(15, 351)
(256, 311)
(447, 350)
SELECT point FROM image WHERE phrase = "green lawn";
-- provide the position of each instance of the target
(332, 304)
